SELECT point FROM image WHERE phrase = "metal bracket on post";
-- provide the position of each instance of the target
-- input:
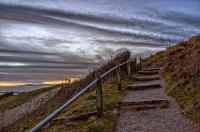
(118, 76)
(128, 67)
(99, 95)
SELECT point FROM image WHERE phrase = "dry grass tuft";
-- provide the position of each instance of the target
(182, 60)
(181, 69)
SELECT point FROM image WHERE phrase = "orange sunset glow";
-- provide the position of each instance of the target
(11, 84)
(61, 81)
(8, 84)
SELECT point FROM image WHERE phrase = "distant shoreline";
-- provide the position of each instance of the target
(21, 89)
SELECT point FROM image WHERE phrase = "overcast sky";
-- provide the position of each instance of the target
(49, 40)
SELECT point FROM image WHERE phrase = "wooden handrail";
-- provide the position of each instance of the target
(99, 94)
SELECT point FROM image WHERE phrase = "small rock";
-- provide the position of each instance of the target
(116, 111)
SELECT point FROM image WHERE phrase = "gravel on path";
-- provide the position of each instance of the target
(154, 120)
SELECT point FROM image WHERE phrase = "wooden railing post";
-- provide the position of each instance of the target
(140, 63)
(99, 95)
(128, 67)
(135, 65)
(118, 76)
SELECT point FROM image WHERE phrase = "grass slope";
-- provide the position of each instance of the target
(13, 101)
(30, 120)
(87, 103)
(188, 97)
(181, 69)
(84, 104)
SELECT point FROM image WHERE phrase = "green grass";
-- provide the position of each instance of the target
(164, 105)
(87, 103)
(84, 104)
(187, 96)
(13, 101)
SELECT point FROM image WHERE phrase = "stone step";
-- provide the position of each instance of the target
(73, 118)
(147, 78)
(143, 86)
(144, 104)
(152, 69)
(148, 72)
(139, 108)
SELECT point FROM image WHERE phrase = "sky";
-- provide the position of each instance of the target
(48, 40)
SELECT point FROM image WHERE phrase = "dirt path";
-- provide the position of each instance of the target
(157, 119)
(18, 112)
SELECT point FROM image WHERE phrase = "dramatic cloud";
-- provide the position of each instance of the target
(51, 40)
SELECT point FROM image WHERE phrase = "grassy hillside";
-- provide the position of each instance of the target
(181, 69)
(13, 101)
(87, 103)
(66, 93)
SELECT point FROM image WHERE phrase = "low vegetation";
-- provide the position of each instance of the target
(187, 96)
(87, 103)
(181, 69)
(182, 60)
(15, 100)
(6, 94)
(84, 104)
(66, 93)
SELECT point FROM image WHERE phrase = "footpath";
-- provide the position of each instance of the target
(146, 107)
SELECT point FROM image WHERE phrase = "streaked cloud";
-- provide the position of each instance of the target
(66, 38)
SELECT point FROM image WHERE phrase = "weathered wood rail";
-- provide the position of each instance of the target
(97, 81)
